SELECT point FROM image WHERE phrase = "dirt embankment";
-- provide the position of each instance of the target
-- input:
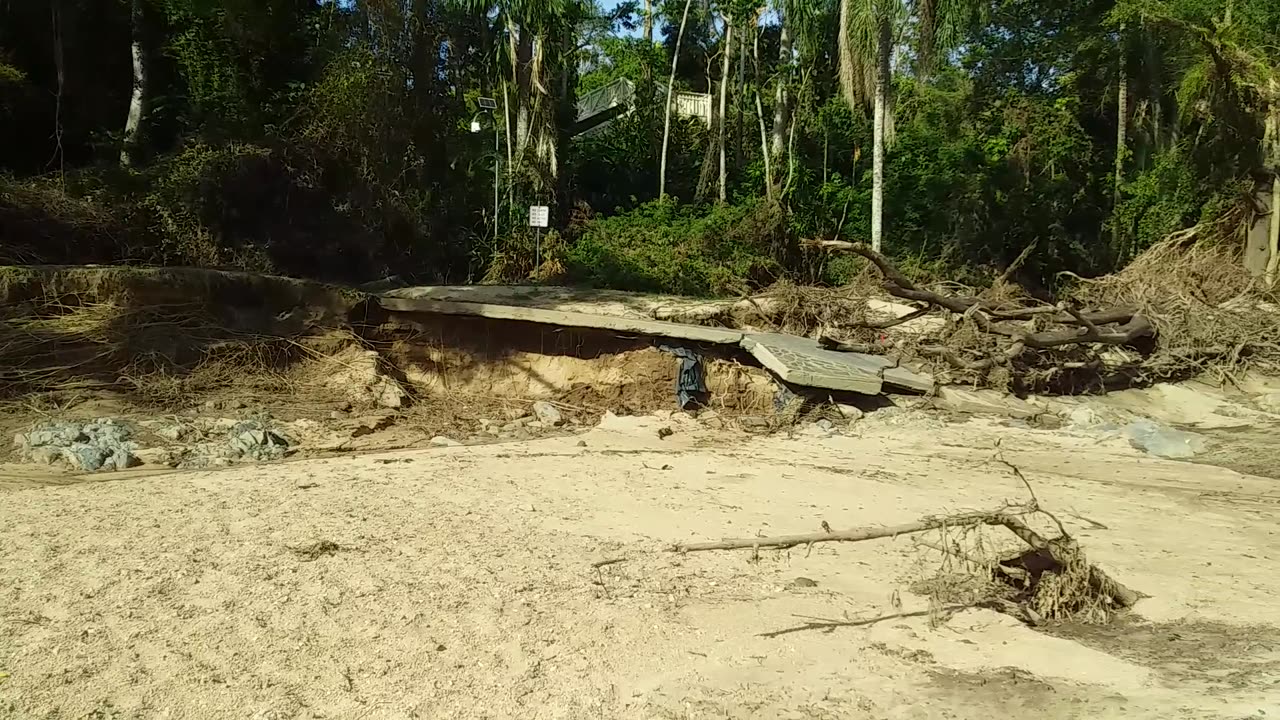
(196, 357)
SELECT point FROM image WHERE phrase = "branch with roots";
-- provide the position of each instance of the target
(1058, 555)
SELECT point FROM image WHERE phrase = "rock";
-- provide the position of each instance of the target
(708, 415)
(549, 414)
(1082, 417)
(983, 402)
(849, 412)
(237, 405)
(337, 415)
(804, 582)
(1269, 402)
(665, 432)
(44, 455)
(825, 424)
(442, 441)
(173, 433)
(536, 425)
(82, 456)
(582, 443)
(749, 422)
(816, 430)
(358, 373)
(517, 424)
(1048, 421)
(212, 405)
(485, 423)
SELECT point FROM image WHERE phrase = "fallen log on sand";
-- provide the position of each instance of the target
(1056, 555)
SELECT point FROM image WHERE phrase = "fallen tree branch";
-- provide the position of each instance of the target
(995, 517)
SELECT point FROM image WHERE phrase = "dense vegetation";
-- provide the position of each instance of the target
(333, 138)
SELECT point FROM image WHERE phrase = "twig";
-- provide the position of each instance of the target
(608, 561)
(1017, 263)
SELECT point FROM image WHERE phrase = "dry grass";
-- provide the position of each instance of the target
(1210, 314)
(964, 566)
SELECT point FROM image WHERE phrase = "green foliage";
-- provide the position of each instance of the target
(10, 75)
(664, 247)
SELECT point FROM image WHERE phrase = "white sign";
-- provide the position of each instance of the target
(539, 216)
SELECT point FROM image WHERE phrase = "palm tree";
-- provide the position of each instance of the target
(868, 33)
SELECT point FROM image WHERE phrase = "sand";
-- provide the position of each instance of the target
(458, 583)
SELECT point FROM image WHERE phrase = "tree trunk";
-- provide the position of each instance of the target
(137, 101)
(671, 88)
(764, 135)
(1122, 139)
(648, 22)
(1271, 143)
(1273, 239)
(726, 68)
(884, 69)
(782, 95)
(1155, 95)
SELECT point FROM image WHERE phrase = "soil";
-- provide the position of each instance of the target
(459, 582)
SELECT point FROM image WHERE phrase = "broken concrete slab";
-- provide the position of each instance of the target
(656, 328)
(802, 361)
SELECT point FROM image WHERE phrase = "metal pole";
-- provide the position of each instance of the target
(496, 153)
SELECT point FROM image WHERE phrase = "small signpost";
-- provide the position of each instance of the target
(539, 218)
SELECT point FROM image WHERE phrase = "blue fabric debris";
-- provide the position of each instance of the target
(691, 386)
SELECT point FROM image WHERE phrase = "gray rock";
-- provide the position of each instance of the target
(44, 455)
(825, 424)
(442, 441)
(849, 412)
(86, 457)
(816, 430)
(549, 414)
(173, 433)
(1269, 402)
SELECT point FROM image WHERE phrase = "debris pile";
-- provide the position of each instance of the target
(98, 445)
(220, 442)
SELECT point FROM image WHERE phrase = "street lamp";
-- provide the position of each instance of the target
(491, 105)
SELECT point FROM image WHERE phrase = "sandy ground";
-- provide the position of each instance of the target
(458, 583)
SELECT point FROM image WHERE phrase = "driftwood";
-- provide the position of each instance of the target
(1009, 517)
